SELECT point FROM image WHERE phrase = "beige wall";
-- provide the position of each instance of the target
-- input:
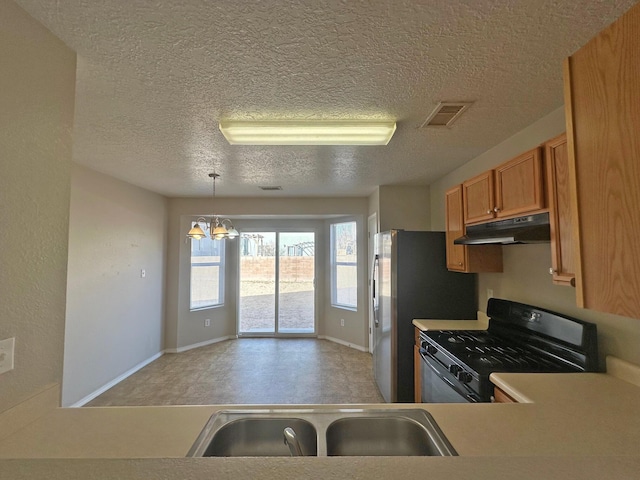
(185, 328)
(37, 87)
(374, 206)
(525, 277)
(403, 207)
(114, 316)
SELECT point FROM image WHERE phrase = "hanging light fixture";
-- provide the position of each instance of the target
(219, 229)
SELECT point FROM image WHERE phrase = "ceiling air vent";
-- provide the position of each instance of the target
(271, 189)
(445, 114)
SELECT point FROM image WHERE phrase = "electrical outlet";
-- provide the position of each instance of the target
(207, 322)
(342, 322)
(6, 354)
(489, 293)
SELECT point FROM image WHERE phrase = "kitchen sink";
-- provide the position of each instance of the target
(258, 436)
(373, 436)
(321, 432)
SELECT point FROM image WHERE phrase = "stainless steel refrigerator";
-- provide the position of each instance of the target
(411, 280)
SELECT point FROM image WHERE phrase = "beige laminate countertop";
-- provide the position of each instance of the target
(429, 324)
(567, 414)
(110, 432)
(572, 426)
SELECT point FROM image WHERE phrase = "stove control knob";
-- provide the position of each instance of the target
(464, 377)
(430, 349)
(455, 369)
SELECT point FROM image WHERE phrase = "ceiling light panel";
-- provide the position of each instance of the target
(346, 132)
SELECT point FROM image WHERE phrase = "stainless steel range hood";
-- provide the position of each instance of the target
(528, 229)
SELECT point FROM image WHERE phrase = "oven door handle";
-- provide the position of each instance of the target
(468, 396)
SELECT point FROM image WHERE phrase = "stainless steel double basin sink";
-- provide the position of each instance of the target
(321, 432)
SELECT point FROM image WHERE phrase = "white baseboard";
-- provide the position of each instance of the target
(342, 342)
(199, 344)
(115, 381)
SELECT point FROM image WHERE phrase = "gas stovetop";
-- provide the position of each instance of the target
(520, 338)
(484, 353)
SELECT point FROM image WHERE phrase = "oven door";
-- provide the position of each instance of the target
(439, 386)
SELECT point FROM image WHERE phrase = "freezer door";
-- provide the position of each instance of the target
(382, 350)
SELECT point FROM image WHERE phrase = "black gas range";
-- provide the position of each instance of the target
(520, 338)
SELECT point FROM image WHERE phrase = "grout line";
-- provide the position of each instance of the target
(247, 371)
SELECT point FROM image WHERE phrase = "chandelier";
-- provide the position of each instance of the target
(219, 229)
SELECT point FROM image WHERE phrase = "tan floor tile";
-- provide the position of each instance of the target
(251, 371)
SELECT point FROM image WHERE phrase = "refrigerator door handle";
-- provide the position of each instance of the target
(374, 296)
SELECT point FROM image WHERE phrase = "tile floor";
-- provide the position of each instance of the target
(251, 371)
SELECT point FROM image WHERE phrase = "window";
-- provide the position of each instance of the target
(207, 273)
(344, 265)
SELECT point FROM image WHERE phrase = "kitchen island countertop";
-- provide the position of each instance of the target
(583, 424)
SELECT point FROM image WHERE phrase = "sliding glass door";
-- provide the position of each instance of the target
(277, 283)
(296, 282)
(257, 302)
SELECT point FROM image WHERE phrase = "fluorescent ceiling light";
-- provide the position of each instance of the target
(274, 132)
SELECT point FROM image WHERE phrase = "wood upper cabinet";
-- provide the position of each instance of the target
(602, 95)
(479, 198)
(557, 166)
(519, 185)
(466, 258)
(455, 229)
(513, 188)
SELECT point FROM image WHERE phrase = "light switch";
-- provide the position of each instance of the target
(143, 273)
(6, 354)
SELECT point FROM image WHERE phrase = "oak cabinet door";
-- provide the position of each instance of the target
(455, 228)
(519, 185)
(478, 198)
(559, 200)
(417, 377)
(500, 396)
(602, 94)
(466, 258)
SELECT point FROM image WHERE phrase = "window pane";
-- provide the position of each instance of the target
(257, 306)
(296, 285)
(207, 273)
(346, 285)
(344, 273)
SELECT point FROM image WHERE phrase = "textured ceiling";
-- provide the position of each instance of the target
(155, 77)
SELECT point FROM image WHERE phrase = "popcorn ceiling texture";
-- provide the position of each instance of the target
(154, 78)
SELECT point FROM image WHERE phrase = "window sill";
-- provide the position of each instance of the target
(345, 307)
(208, 307)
